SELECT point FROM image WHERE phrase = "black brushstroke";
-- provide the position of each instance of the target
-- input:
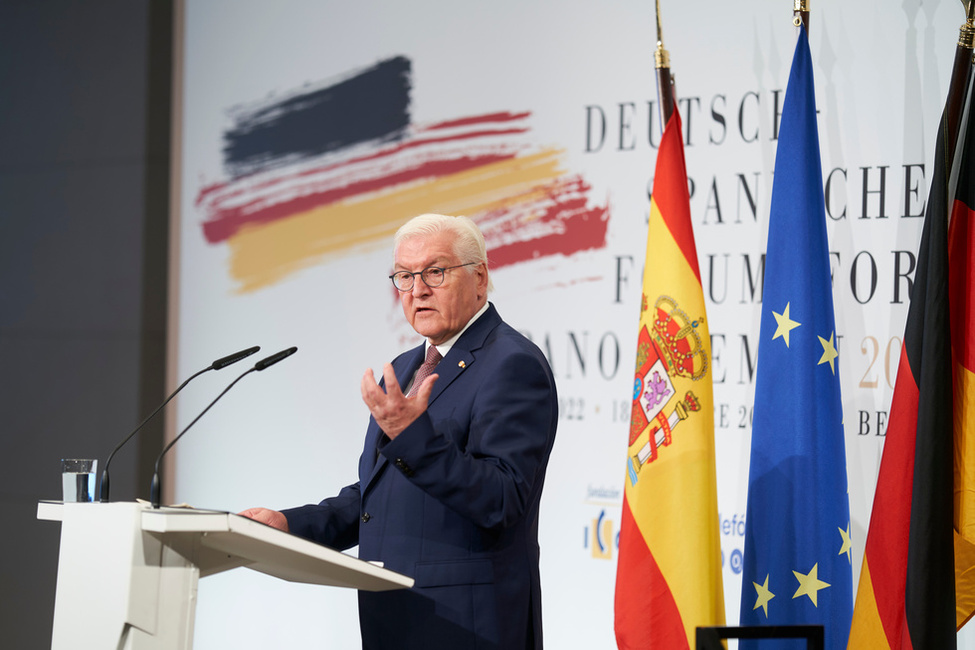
(371, 105)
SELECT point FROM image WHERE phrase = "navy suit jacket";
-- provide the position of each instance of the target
(453, 500)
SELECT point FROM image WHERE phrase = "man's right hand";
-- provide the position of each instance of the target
(267, 516)
(393, 410)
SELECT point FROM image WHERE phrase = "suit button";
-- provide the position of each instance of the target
(366, 517)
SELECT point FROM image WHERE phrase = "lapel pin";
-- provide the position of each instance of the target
(461, 364)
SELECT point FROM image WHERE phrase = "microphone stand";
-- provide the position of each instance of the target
(220, 363)
(155, 488)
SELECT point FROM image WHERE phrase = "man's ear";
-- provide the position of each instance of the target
(482, 279)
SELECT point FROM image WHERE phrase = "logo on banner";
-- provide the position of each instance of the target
(671, 350)
(601, 537)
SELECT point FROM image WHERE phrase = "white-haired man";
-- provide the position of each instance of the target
(454, 460)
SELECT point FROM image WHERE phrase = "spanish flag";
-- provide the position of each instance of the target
(668, 578)
(917, 584)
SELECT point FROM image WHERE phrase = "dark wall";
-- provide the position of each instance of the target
(84, 173)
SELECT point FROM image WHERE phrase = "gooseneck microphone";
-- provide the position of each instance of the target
(263, 364)
(220, 363)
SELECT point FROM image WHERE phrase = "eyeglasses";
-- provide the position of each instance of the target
(432, 276)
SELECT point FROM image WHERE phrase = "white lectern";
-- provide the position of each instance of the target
(128, 573)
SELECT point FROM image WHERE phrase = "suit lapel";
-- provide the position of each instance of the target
(462, 354)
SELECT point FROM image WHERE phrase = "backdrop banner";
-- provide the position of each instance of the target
(310, 131)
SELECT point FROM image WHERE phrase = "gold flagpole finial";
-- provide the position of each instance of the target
(665, 82)
(800, 12)
(660, 56)
(966, 34)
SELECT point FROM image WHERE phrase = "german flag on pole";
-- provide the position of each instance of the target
(961, 292)
(906, 596)
(668, 578)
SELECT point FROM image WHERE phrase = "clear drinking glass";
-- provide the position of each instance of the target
(78, 476)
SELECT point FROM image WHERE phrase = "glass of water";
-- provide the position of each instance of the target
(78, 477)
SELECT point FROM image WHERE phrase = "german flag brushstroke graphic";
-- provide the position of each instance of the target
(335, 169)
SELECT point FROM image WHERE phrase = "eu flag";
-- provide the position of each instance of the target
(798, 556)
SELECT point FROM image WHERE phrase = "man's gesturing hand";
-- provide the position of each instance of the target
(393, 410)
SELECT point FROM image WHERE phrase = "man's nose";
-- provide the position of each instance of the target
(420, 287)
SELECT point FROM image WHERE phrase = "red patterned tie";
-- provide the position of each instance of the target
(426, 369)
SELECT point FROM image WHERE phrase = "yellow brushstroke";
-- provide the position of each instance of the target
(261, 255)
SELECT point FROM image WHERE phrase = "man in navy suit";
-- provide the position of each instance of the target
(452, 470)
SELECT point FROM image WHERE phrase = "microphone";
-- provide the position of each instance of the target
(263, 364)
(220, 363)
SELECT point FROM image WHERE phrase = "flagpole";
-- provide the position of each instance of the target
(800, 12)
(665, 82)
(960, 73)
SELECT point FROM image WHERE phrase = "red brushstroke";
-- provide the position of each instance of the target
(480, 119)
(208, 190)
(566, 222)
(225, 222)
